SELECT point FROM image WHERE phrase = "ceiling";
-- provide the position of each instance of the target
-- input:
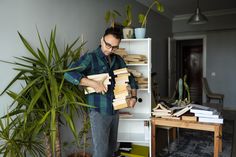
(175, 8)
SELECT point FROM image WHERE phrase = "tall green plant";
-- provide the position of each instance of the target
(46, 97)
(110, 16)
(128, 20)
(143, 17)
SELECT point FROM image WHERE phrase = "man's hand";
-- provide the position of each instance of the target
(100, 88)
(132, 102)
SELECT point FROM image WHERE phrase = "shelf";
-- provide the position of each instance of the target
(132, 137)
(138, 116)
(137, 64)
(143, 89)
(144, 39)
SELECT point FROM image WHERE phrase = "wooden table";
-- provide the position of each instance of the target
(216, 128)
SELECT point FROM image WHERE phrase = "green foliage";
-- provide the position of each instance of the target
(110, 16)
(81, 142)
(143, 17)
(46, 97)
(128, 21)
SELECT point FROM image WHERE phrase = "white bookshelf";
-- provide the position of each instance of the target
(131, 129)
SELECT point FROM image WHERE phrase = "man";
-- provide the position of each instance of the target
(103, 118)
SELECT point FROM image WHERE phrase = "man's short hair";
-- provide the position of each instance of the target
(116, 32)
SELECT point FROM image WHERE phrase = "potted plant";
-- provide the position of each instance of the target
(110, 16)
(128, 32)
(44, 100)
(82, 142)
(140, 32)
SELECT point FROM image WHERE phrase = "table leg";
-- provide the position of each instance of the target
(153, 140)
(216, 141)
(220, 138)
(174, 133)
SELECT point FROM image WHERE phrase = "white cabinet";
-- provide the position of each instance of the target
(133, 129)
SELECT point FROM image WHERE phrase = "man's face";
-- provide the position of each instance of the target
(109, 44)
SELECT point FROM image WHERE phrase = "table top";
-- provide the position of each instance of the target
(184, 124)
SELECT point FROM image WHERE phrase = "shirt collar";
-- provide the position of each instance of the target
(101, 54)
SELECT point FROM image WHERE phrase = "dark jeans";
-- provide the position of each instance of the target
(104, 133)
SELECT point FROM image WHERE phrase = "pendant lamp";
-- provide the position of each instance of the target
(197, 17)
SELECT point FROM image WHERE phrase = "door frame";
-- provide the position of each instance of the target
(204, 53)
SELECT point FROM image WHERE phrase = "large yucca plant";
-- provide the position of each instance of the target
(45, 98)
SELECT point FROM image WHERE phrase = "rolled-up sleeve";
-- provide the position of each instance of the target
(82, 64)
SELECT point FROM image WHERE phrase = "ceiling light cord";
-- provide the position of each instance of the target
(198, 17)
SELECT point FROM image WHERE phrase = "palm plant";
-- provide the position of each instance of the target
(46, 97)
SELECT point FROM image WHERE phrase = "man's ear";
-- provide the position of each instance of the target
(101, 40)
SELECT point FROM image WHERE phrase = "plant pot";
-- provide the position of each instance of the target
(80, 154)
(128, 33)
(140, 33)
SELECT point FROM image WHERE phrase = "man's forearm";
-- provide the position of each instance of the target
(87, 82)
(133, 92)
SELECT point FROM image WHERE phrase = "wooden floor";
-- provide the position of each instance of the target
(231, 115)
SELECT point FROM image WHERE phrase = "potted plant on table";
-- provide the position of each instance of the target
(44, 100)
(128, 31)
(140, 32)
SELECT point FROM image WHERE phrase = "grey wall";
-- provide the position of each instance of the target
(72, 18)
(161, 30)
(221, 53)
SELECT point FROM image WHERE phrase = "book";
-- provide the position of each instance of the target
(120, 71)
(211, 120)
(103, 77)
(209, 111)
(123, 94)
(182, 111)
(202, 109)
(215, 115)
(161, 106)
(189, 117)
(120, 106)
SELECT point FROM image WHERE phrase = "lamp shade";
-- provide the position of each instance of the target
(197, 18)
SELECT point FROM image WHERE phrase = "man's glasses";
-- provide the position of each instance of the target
(109, 46)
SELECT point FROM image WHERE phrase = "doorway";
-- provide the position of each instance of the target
(189, 61)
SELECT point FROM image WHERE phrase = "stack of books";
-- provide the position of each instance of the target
(122, 89)
(135, 59)
(207, 114)
(141, 81)
(121, 52)
(104, 78)
(161, 111)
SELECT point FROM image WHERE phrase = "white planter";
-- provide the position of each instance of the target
(128, 33)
